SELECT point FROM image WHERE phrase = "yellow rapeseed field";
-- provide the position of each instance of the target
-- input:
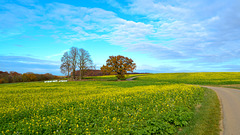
(148, 105)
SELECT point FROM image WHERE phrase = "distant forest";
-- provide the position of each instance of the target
(13, 77)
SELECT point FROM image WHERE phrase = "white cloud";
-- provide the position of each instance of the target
(25, 64)
(38, 63)
(157, 10)
(203, 30)
(57, 55)
(130, 33)
(114, 3)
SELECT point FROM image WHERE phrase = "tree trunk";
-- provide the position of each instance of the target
(73, 74)
(68, 74)
(80, 74)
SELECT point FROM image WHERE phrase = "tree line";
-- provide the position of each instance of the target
(13, 77)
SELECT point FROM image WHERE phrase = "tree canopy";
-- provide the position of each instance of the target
(84, 62)
(66, 64)
(76, 58)
(118, 65)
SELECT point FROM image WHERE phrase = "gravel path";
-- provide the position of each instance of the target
(230, 100)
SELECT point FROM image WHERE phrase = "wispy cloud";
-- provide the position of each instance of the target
(114, 4)
(18, 45)
(28, 60)
(58, 54)
(27, 64)
(202, 30)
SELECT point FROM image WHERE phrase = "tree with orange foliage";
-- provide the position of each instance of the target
(28, 77)
(118, 65)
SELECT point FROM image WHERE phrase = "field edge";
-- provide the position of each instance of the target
(207, 118)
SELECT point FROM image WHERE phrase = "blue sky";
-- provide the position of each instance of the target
(159, 35)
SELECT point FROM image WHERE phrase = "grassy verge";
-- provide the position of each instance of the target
(207, 117)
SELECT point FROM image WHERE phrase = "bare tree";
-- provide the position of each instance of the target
(73, 59)
(84, 62)
(66, 64)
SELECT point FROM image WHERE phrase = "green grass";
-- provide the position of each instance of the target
(206, 118)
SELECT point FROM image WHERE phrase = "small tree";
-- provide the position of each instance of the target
(118, 65)
(66, 64)
(84, 62)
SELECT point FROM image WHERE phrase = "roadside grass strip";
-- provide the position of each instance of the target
(206, 118)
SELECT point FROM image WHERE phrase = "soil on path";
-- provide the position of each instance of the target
(131, 79)
(230, 99)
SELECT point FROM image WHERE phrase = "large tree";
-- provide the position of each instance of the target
(84, 62)
(118, 65)
(73, 59)
(66, 64)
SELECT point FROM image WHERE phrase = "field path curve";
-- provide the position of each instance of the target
(230, 100)
(131, 79)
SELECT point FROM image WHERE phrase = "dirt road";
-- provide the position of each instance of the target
(230, 99)
(131, 79)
